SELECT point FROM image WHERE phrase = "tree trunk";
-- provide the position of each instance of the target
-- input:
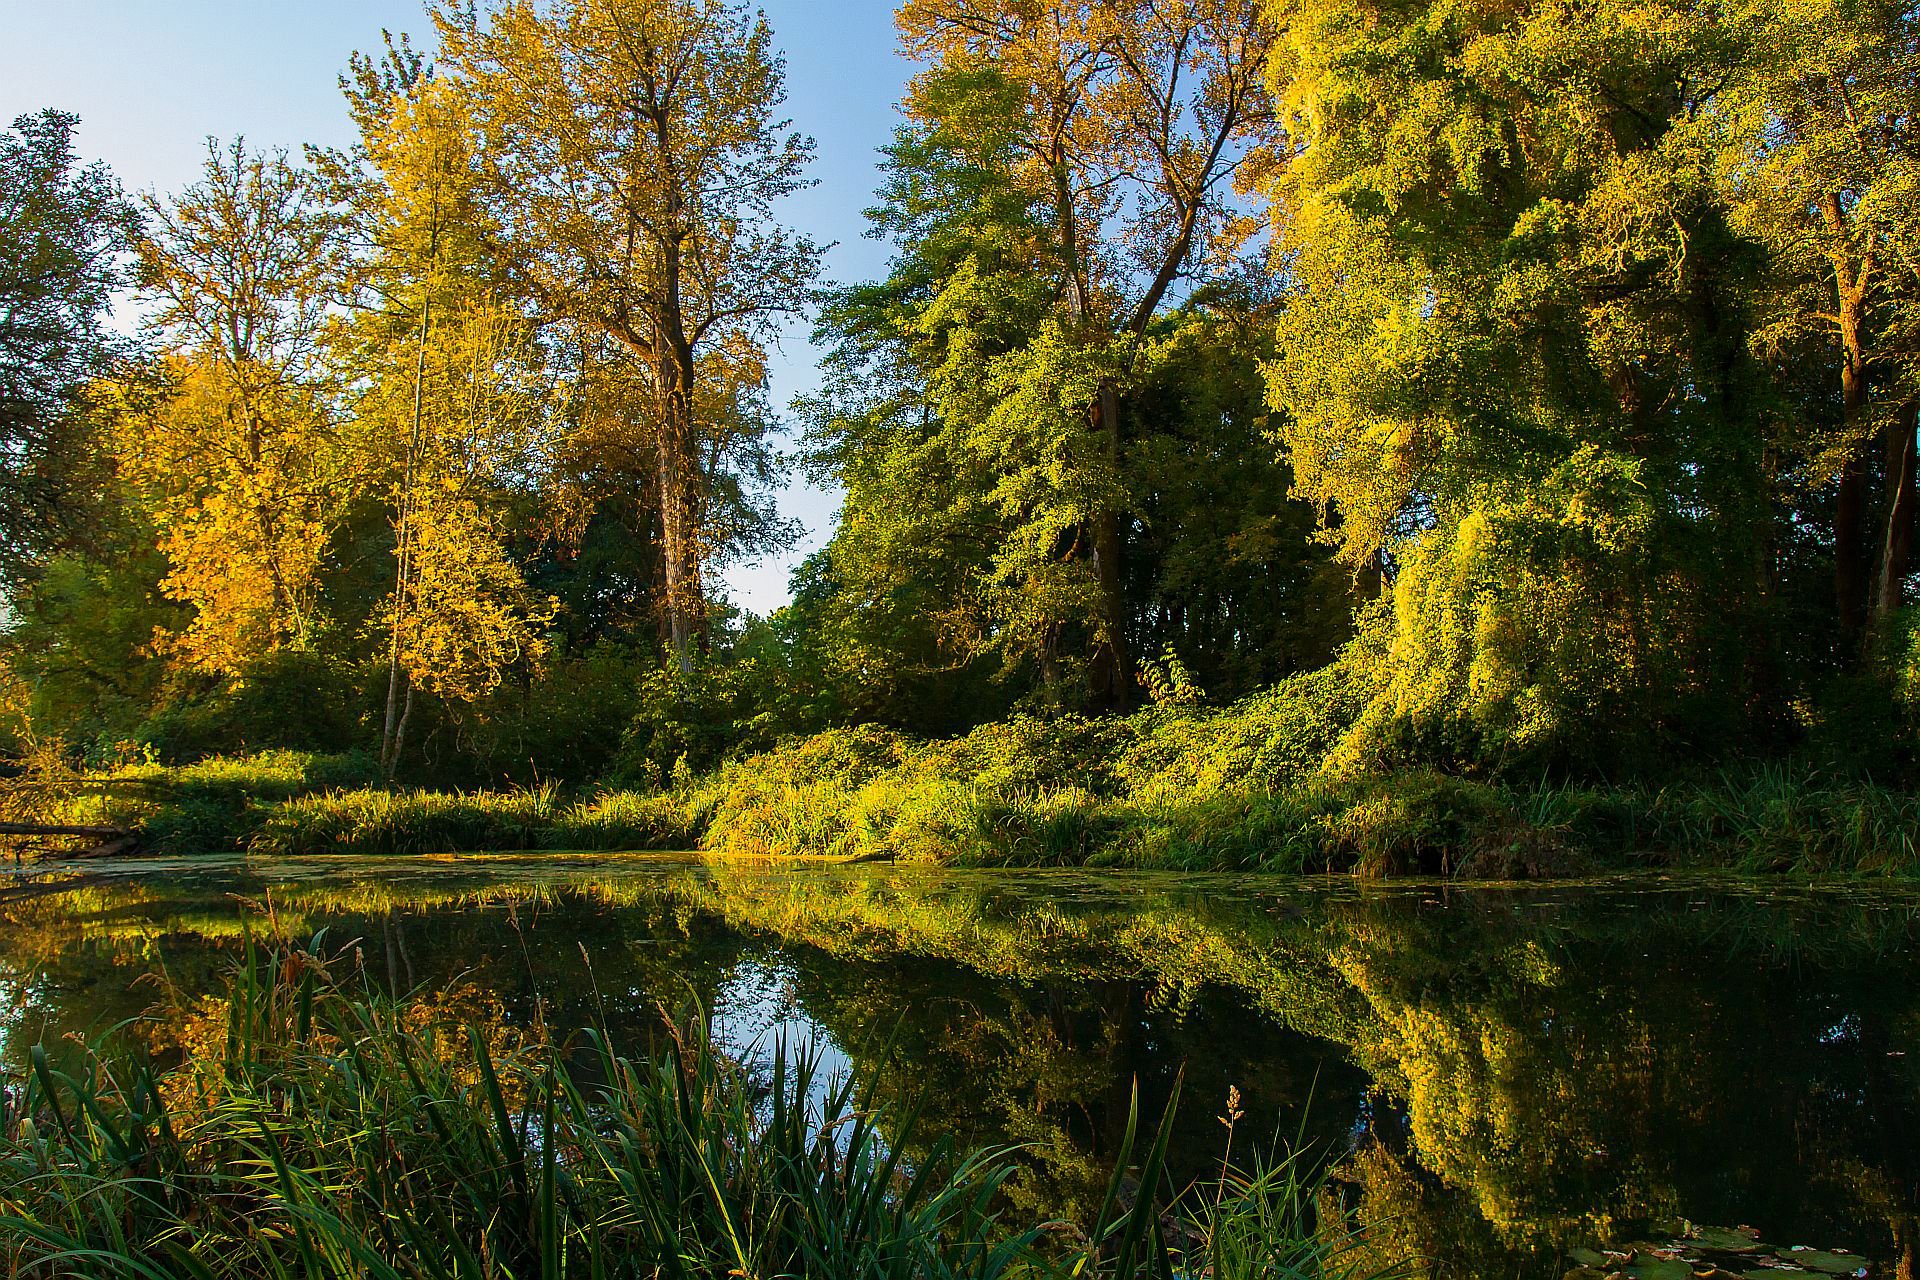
(675, 371)
(1896, 550)
(1851, 556)
(673, 541)
(680, 555)
(1110, 668)
(403, 551)
(400, 730)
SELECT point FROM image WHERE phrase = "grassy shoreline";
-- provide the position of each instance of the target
(1029, 795)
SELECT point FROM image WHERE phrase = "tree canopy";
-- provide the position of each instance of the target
(1538, 379)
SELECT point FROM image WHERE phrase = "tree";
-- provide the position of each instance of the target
(1515, 374)
(63, 231)
(1125, 126)
(630, 155)
(1068, 261)
(237, 455)
(456, 438)
(457, 407)
(1823, 167)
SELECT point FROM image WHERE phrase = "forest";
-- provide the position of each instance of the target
(1404, 435)
(1374, 603)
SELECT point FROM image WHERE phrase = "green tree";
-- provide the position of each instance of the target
(63, 233)
(1823, 168)
(1514, 371)
(957, 417)
(1123, 127)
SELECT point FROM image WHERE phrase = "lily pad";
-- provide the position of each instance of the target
(1589, 1257)
(1833, 1264)
(1725, 1239)
(1659, 1269)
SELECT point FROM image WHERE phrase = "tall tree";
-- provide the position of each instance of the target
(630, 153)
(1515, 369)
(1128, 124)
(63, 230)
(956, 417)
(1823, 168)
(238, 457)
(456, 406)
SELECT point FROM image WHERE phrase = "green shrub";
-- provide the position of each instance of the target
(291, 700)
(1262, 742)
(630, 820)
(377, 822)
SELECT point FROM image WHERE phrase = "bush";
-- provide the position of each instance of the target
(631, 820)
(378, 822)
(292, 700)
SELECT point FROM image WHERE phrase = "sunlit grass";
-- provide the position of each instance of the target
(1026, 794)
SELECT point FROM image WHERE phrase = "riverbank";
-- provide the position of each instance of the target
(1034, 793)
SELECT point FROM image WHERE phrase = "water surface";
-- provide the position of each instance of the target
(1499, 1076)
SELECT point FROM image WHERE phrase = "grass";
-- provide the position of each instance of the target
(314, 1129)
(370, 821)
(1135, 801)
(292, 802)
(1188, 789)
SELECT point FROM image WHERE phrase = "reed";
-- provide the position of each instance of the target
(326, 1131)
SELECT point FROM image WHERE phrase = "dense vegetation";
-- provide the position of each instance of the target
(326, 1131)
(1290, 434)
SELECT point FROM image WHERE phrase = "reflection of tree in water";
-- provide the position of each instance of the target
(1580, 1078)
(1499, 1081)
(1053, 1065)
(568, 959)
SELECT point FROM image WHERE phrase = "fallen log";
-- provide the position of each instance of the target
(129, 843)
(58, 829)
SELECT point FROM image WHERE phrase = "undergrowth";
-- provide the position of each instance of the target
(1186, 788)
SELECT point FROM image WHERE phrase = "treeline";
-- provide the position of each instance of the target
(1542, 375)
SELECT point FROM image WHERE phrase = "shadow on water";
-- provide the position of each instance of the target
(1502, 1080)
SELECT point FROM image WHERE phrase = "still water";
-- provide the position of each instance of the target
(1499, 1078)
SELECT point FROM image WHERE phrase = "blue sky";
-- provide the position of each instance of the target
(152, 79)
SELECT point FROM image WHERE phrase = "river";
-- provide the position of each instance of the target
(1499, 1078)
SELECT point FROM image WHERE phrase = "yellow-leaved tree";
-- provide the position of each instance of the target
(237, 456)
(629, 154)
(456, 403)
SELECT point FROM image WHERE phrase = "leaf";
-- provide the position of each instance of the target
(1834, 1264)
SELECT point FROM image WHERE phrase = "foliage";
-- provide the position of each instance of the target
(1049, 461)
(1238, 789)
(63, 232)
(76, 643)
(290, 700)
(1425, 410)
(213, 805)
(232, 451)
(450, 1144)
(630, 156)
(382, 822)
